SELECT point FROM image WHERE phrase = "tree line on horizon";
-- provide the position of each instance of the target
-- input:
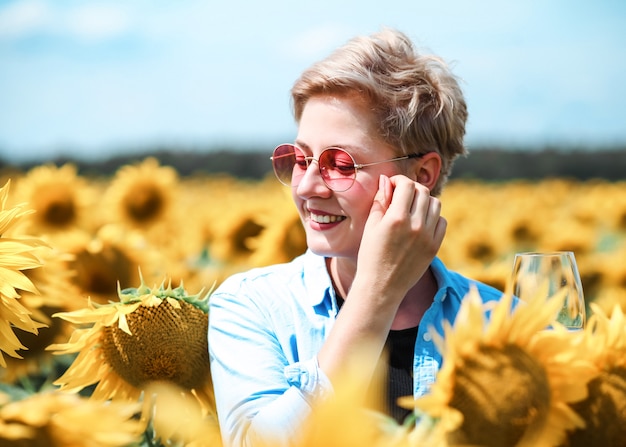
(487, 164)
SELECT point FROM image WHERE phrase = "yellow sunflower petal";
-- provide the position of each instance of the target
(509, 378)
(604, 406)
(60, 419)
(151, 334)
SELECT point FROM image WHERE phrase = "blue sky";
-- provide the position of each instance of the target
(96, 78)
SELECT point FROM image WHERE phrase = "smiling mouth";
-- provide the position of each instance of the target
(326, 218)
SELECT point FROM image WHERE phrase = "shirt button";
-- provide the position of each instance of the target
(427, 336)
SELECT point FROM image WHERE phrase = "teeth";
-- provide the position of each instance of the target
(326, 218)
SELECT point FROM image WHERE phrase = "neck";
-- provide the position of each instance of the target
(341, 276)
(416, 302)
(412, 307)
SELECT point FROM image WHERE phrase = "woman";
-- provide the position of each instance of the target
(379, 127)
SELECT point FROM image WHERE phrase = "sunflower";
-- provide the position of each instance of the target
(61, 198)
(56, 419)
(143, 204)
(604, 409)
(16, 255)
(524, 231)
(234, 241)
(151, 334)
(57, 294)
(142, 195)
(176, 418)
(279, 242)
(509, 382)
(283, 236)
(100, 260)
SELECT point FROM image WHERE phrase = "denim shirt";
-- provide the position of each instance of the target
(266, 327)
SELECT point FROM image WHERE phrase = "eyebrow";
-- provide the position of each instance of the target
(348, 148)
(302, 145)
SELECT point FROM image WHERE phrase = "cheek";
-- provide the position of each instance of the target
(357, 201)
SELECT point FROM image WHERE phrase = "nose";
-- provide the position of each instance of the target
(311, 183)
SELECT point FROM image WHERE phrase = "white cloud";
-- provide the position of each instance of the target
(95, 22)
(80, 21)
(22, 18)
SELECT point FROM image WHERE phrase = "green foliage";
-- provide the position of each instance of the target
(483, 163)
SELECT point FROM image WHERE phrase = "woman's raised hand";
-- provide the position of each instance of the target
(402, 235)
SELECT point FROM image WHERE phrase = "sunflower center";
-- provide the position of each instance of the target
(604, 411)
(480, 250)
(523, 233)
(295, 239)
(144, 203)
(502, 392)
(246, 230)
(166, 344)
(98, 273)
(59, 210)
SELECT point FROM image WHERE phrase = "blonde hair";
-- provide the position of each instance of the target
(416, 99)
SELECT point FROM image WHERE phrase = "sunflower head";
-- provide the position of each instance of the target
(505, 391)
(56, 294)
(60, 197)
(142, 194)
(524, 231)
(604, 409)
(98, 262)
(97, 270)
(151, 334)
(17, 254)
(507, 380)
(282, 239)
(170, 319)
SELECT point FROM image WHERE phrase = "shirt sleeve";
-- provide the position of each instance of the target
(310, 379)
(262, 397)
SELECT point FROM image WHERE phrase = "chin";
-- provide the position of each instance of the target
(320, 248)
(327, 251)
(321, 251)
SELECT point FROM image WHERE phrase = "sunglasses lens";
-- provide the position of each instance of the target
(337, 169)
(336, 166)
(284, 160)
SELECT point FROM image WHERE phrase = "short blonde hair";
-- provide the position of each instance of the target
(415, 97)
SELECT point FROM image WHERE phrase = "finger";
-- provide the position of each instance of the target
(403, 194)
(422, 202)
(431, 216)
(382, 198)
(440, 229)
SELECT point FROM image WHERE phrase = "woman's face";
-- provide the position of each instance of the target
(334, 221)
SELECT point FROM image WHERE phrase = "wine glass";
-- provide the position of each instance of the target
(532, 270)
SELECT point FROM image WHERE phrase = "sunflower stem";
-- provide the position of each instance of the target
(27, 384)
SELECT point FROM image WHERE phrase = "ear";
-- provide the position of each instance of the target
(428, 169)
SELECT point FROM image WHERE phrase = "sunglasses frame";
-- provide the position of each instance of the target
(356, 166)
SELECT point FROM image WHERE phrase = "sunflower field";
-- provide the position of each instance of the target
(105, 282)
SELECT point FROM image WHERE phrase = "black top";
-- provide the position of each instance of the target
(400, 346)
(401, 350)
